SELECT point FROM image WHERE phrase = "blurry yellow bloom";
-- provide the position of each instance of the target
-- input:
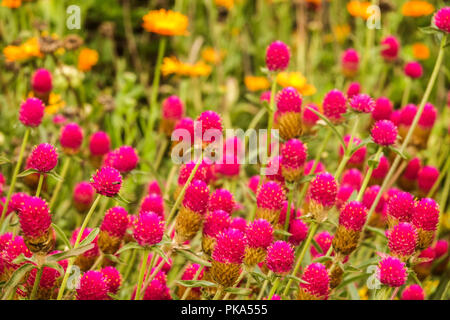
(14, 53)
(225, 3)
(296, 80)
(55, 102)
(417, 8)
(445, 221)
(341, 32)
(429, 286)
(28, 49)
(87, 59)
(172, 65)
(256, 83)
(308, 90)
(165, 22)
(31, 47)
(358, 9)
(212, 56)
(421, 51)
(11, 3)
(363, 293)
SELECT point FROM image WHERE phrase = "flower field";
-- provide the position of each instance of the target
(224, 150)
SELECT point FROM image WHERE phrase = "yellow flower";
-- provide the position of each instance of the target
(225, 3)
(28, 49)
(87, 59)
(341, 32)
(363, 293)
(14, 53)
(417, 9)
(55, 102)
(420, 51)
(358, 9)
(256, 83)
(296, 80)
(166, 23)
(31, 47)
(308, 90)
(199, 69)
(172, 65)
(212, 56)
(11, 3)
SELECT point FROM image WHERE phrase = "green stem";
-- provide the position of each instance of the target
(141, 274)
(411, 129)
(161, 152)
(274, 288)
(346, 157)
(37, 281)
(218, 293)
(444, 293)
(368, 176)
(266, 282)
(60, 182)
(288, 212)
(130, 264)
(270, 117)
(188, 290)
(407, 92)
(14, 177)
(39, 187)
(442, 174)
(314, 226)
(77, 242)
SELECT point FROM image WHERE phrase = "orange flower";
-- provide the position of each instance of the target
(420, 51)
(212, 56)
(13, 4)
(55, 103)
(341, 32)
(28, 49)
(358, 9)
(417, 9)
(166, 23)
(297, 81)
(256, 83)
(225, 3)
(172, 65)
(87, 59)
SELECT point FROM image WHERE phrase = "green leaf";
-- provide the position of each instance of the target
(16, 278)
(429, 30)
(306, 178)
(297, 279)
(54, 265)
(4, 160)
(363, 143)
(55, 176)
(62, 235)
(323, 259)
(113, 258)
(239, 291)
(121, 199)
(316, 245)
(259, 277)
(21, 259)
(402, 155)
(27, 173)
(189, 255)
(196, 283)
(332, 126)
(377, 231)
(90, 237)
(160, 252)
(129, 246)
(282, 233)
(70, 253)
(352, 279)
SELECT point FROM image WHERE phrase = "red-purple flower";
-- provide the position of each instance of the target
(31, 112)
(280, 257)
(392, 272)
(442, 19)
(43, 158)
(107, 181)
(148, 229)
(99, 143)
(277, 56)
(384, 133)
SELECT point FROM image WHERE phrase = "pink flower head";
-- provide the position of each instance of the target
(153, 203)
(126, 159)
(265, 96)
(413, 69)
(154, 188)
(41, 81)
(413, 292)
(383, 109)
(392, 272)
(353, 89)
(277, 56)
(172, 108)
(221, 199)
(442, 19)
(352, 177)
(324, 240)
(99, 143)
(280, 257)
(426, 214)
(148, 229)
(203, 172)
(216, 222)
(18, 200)
(412, 169)
(360, 155)
(384, 132)
(298, 230)
(283, 213)
(390, 48)
(157, 290)
(259, 234)
(362, 103)
(253, 183)
(316, 280)
(115, 222)
(308, 117)
(270, 196)
(289, 100)
(112, 278)
(59, 119)
(35, 218)
(239, 223)
(334, 105)
(43, 158)
(427, 177)
(190, 272)
(31, 112)
(441, 248)
(93, 286)
(209, 124)
(323, 189)
(345, 191)
(407, 114)
(353, 216)
(107, 181)
(401, 206)
(382, 169)
(229, 166)
(71, 136)
(12, 248)
(369, 197)
(428, 116)
(274, 171)
(186, 127)
(402, 239)
(83, 194)
(396, 117)
(293, 154)
(48, 278)
(230, 247)
(196, 197)
(94, 252)
(350, 62)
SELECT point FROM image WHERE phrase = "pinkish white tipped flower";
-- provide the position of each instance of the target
(148, 229)
(384, 133)
(43, 158)
(31, 112)
(392, 272)
(71, 138)
(402, 240)
(280, 257)
(107, 181)
(413, 292)
(362, 103)
(316, 285)
(277, 56)
(334, 105)
(441, 19)
(83, 196)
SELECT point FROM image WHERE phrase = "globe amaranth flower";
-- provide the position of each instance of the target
(259, 234)
(153, 203)
(148, 229)
(358, 158)
(324, 240)
(83, 196)
(334, 105)
(43, 158)
(221, 199)
(31, 112)
(277, 56)
(269, 201)
(107, 181)
(189, 274)
(390, 48)
(87, 259)
(215, 222)
(112, 229)
(413, 70)
(380, 170)
(316, 285)
(323, 190)
(441, 19)
(112, 278)
(402, 240)
(413, 292)
(154, 188)
(384, 133)
(93, 286)
(400, 207)
(172, 111)
(427, 177)
(41, 81)
(392, 272)
(99, 143)
(352, 177)
(344, 193)
(425, 217)
(209, 125)
(362, 103)
(125, 159)
(298, 230)
(293, 157)
(353, 89)
(383, 109)
(289, 107)
(309, 118)
(350, 62)
(280, 257)
(239, 223)
(71, 138)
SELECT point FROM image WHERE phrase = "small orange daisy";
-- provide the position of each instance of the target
(165, 22)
